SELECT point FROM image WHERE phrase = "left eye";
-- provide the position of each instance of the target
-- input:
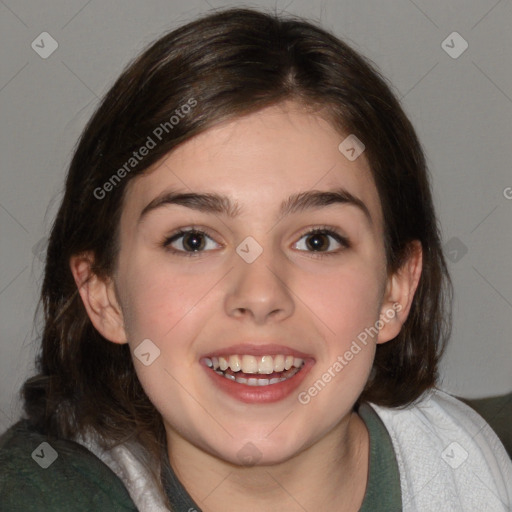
(320, 240)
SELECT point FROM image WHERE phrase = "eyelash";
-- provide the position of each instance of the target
(324, 230)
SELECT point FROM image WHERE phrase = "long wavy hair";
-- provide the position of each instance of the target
(231, 63)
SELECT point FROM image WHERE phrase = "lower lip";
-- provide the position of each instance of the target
(260, 394)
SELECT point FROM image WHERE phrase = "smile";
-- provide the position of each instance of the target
(252, 370)
(257, 374)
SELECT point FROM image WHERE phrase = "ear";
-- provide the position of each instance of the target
(99, 298)
(400, 289)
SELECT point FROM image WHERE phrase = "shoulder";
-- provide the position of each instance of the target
(39, 473)
(448, 454)
(497, 411)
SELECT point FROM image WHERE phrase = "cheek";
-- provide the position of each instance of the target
(348, 304)
(164, 307)
(157, 300)
(346, 300)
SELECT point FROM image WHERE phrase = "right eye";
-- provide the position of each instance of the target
(189, 242)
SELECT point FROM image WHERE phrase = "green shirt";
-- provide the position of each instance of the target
(78, 481)
(382, 489)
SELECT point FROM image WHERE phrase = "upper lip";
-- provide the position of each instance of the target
(253, 349)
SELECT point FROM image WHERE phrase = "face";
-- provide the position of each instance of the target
(272, 273)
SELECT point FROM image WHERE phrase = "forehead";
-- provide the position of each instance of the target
(259, 160)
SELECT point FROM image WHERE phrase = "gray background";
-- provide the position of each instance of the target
(461, 108)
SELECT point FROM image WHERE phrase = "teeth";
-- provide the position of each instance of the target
(249, 364)
(263, 365)
(234, 363)
(278, 363)
(266, 365)
(253, 381)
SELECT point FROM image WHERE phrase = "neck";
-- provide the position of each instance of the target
(332, 470)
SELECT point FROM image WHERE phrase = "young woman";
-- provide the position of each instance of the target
(245, 296)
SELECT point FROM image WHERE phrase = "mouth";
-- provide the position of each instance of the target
(252, 370)
(257, 377)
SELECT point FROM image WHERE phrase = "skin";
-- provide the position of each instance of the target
(308, 455)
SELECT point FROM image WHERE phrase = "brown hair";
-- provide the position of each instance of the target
(230, 63)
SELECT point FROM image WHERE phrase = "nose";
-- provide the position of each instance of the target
(259, 290)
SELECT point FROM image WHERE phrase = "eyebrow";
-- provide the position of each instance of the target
(215, 203)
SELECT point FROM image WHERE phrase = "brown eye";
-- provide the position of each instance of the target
(317, 242)
(193, 241)
(189, 242)
(322, 241)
